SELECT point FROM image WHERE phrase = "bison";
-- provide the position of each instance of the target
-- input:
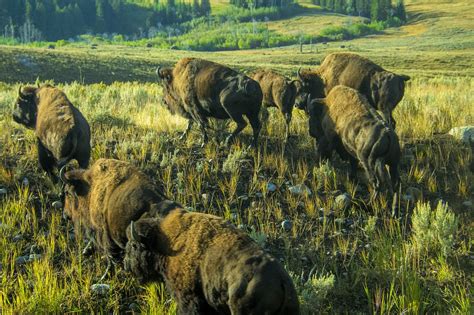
(198, 89)
(346, 122)
(62, 131)
(106, 198)
(210, 266)
(278, 91)
(383, 89)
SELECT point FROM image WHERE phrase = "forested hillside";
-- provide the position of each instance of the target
(27, 21)
(30, 20)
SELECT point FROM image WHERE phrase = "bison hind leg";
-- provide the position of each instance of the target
(47, 161)
(256, 127)
(241, 124)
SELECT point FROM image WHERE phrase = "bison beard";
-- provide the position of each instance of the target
(198, 89)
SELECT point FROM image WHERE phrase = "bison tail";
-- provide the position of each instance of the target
(290, 304)
(67, 156)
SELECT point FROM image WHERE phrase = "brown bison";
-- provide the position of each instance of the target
(210, 266)
(62, 131)
(106, 198)
(383, 89)
(198, 89)
(346, 122)
(278, 91)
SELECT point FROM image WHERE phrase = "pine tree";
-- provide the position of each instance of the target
(400, 11)
(205, 7)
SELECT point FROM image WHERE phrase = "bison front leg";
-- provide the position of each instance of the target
(188, 128)
(205, 137)
(287, 127)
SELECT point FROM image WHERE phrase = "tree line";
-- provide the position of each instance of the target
(376, 10)
(63, 19)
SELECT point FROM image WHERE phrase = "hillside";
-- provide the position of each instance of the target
(434, 41)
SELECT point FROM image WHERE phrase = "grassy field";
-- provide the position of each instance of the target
(343, 260)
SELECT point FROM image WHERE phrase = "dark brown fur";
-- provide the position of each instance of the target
(198, 89)
(383, 89)
(345, 121)
(62, 131)
(106, 198)
(278, 91)
(210, 266)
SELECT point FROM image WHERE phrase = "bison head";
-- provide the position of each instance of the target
(165, 74)
(387, 91)
(25, 109)
(311, 85)
(139, 252)
(76, 192)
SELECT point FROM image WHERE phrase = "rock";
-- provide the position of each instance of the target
(467, 204)
(3, 191)
(413, 194)
(258, 195)
(190, 209)
(205, 197)
(287, 225)
(343, 201)
(301, 189)
(17, 238)
(241, 226)
(271, 187)
(34, 257)
(134, 307)
(25, 181)
(234, 216)
(58, 205)
(100, 288)
(464, 134)
(22, 260)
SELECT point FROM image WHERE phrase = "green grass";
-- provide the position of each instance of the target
(357, 260)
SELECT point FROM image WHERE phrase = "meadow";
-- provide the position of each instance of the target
(353, 258)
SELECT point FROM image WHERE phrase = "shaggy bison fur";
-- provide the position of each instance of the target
(198, 89)
(210, 266)
(278, 91)
(346, 122)
(383, 89)
(62, 131)
(106, 198)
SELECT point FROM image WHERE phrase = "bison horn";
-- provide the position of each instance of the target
(158, 71)
(133, 236)
(20, 93)
(61, 174)
(298, 74)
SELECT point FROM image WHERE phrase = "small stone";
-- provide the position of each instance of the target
(134, 307)
(17, 238)
(34, 257)
(467, 204)
(413, 194)
(100, 288)
(22, 260)
(464, 134)
(241, 226)
(287, 225)
(190, 209)
(25, 181)
(58, 205)
(259, 195)
(339, 221)
(343, 201)
(3, 191)
(34, 249)
(234, 216)
(271, 187)
(301, 189)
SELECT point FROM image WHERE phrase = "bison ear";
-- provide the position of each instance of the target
(404, 77)
(77, 179)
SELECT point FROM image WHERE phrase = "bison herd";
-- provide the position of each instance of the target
(210, 266)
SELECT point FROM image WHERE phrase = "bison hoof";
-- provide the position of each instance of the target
(228, 141)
